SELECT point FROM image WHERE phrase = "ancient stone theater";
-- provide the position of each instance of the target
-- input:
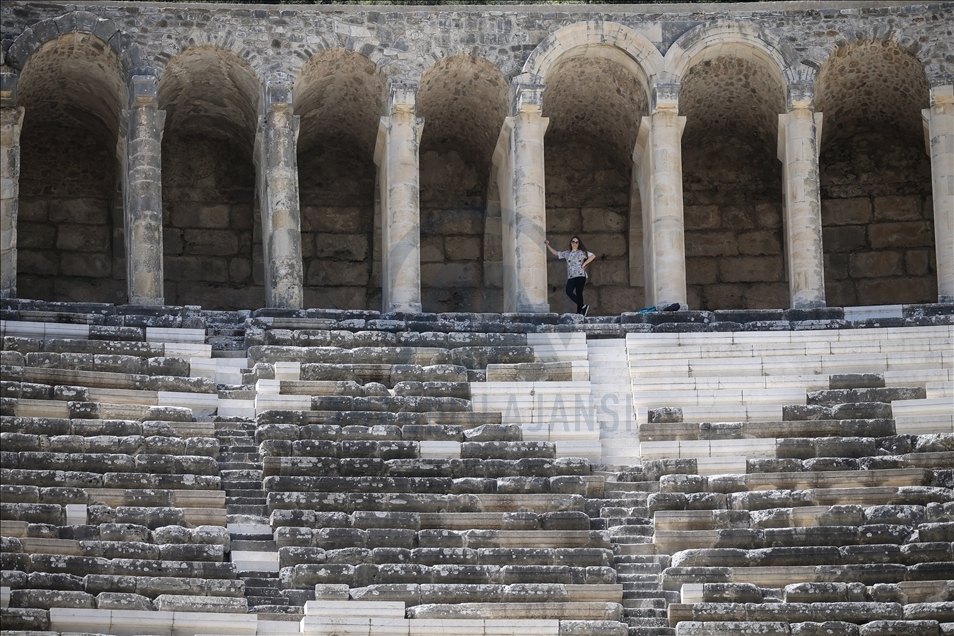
(284, 350)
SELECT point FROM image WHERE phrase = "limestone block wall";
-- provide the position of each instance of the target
(70, 229)
(878, 222)
(588, 195)
(212, 239)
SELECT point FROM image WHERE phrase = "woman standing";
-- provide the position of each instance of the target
(577, 258)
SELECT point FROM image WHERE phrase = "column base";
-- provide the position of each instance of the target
(532, 308)
(809, 304)
(146, 301)
(407, 308)
(944, 299)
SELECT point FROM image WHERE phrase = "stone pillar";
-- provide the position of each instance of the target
(397, 157)
(939, 133)
(520, 175)
(11, 122)
(799, 134)
(658, 157)
(142, 193)
(277, 167)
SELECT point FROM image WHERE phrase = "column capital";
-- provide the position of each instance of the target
(528, 97)
(143, 90)
(800, 95)
(664, 97)
(278, 95)
(942, 95)
(8, 89)
(402, 96)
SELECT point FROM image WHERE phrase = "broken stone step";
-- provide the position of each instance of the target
(254, 545)
(634, 568)
(849, 396)
(668, 596)
(651, 631)
(638, 586)
(239, 466)
(244, 492)
(246, 501)
(247, 509)
(271, 601)
(640, 621)
(643, 612)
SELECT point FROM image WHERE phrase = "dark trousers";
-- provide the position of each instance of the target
(574, 289)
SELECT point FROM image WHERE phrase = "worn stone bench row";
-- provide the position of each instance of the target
(117, 549)
(793, 455)
(775, 499)
(869, 551)
(285, 457)
(351, 388)
(858, 612)
(99, 346)
(469, 357)
(903, 592)
(112, 497)
(305, 473)
(800, 536)
(387, 375)
(48, 599)
(276, 336)
(152, 463)
(131, 532)
(62, 382)
(111, 444)
(369, 419)
(108, 363)
(93, 410)
(571, 557)
(424, 593)
(491, 495)
(841, 515)
(364, 574)
(83, 565)
(410, 523)
(673, 578)
(338, 538)
(49, 426)
(815, 428)
(810, 628)
(85, 479)
(268, 433)
(144, 586)
(149, 516)
(389, 403)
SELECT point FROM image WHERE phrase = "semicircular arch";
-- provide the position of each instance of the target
(617, 42)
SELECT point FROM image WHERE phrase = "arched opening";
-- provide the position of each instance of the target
(732, 184)
(877, 213)
(70, 220)
(595, 105)
(212, 239)
(463, 101)
(339, 96)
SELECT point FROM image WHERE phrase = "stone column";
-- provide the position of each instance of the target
(142, 193)
(939, 133)
(11, 122)
(520, 175)
(397, 157)
(277, 168)
(658, 156)
(799, 133)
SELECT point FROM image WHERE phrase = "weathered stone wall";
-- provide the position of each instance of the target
(453, 205)
(337, 223)
(878, 222)
(212, 240)
(588, 195)
(70, 241)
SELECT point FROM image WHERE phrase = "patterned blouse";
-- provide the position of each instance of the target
(574, 262)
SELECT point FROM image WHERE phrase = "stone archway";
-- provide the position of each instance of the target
(732, 80)
(70, 222)
(211, 232)
(877, 212)
(339, 96)
(595, 107)
(463, 100)
(597, 78)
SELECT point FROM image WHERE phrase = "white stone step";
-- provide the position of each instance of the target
(175, 334)
(655, 398)
(44, 330)
(924, 424)
(693, 449)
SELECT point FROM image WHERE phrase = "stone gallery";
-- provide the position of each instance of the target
(283, 351)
